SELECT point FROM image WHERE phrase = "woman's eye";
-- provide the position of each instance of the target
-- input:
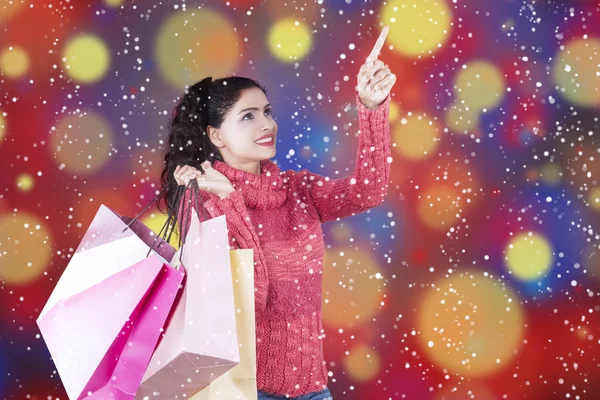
(250, 114)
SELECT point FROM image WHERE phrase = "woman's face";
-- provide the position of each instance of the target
(250, 119)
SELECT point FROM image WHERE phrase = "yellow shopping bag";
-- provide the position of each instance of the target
(239, 383)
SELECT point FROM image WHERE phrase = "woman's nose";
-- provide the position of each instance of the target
(268, 123)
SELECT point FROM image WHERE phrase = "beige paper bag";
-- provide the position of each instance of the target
(240, 382)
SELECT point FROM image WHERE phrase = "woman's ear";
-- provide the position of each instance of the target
(214, 136)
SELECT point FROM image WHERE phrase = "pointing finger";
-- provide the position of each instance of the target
(379, 44)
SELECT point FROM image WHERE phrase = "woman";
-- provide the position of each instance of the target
(226, 127)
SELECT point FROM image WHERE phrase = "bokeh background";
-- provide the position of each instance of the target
(478, 278)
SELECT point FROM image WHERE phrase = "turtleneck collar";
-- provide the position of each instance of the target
(262, 192)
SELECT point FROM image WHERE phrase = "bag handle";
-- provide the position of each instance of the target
(193, 184)
(183, 228)
(147, 206)
(167, 223)
(171, 221)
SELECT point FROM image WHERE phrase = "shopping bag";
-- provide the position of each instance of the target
(103, 319)
(240, 382)
(200, 341)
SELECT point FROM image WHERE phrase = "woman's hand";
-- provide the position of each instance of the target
(211, 180)
(375, 80)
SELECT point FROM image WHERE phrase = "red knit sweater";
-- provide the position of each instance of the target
(279, 215)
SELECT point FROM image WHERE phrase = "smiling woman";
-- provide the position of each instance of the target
(250, 122)
(226, 128)
(221, 120)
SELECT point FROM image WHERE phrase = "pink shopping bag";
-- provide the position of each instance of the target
(200, 342)
(104, 317)
(239, 383)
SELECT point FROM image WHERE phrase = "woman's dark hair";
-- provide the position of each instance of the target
(205, 103)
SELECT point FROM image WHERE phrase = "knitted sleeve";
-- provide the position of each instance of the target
(240, 231)
(367, 187)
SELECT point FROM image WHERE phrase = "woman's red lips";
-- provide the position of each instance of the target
(266, 136)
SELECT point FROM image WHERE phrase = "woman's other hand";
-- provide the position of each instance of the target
(211, 180)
